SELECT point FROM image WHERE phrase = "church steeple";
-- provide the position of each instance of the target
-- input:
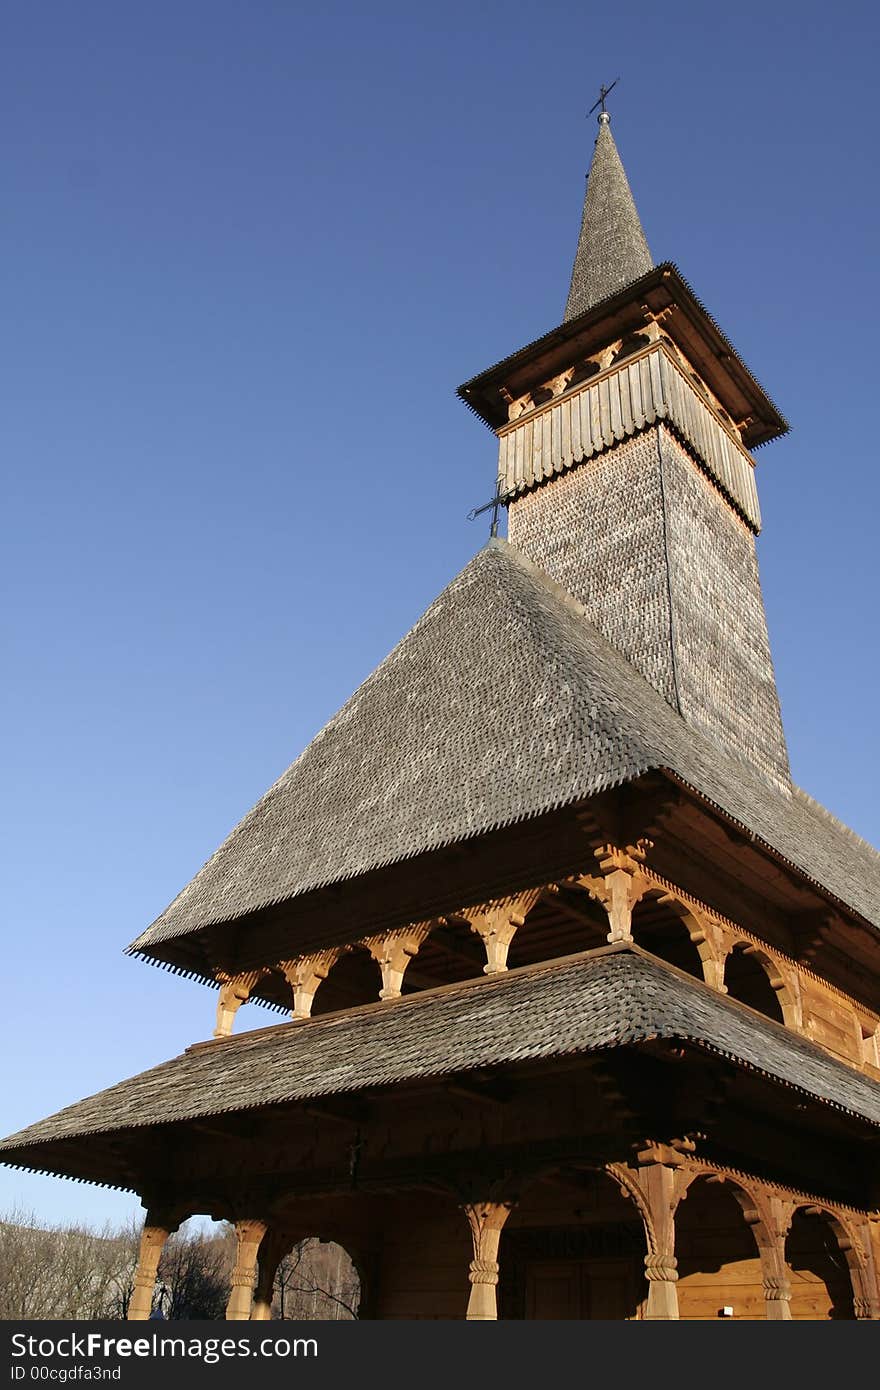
(624, 461)
(612, 249)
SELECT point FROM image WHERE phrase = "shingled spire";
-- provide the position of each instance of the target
(612, 250)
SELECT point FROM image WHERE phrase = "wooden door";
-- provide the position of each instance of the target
(555, 1289)
(576, 1289)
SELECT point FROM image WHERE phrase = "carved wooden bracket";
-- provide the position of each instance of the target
(620, 885)
(304, 975)
(393, 952)
(497, 922)
(235, 990)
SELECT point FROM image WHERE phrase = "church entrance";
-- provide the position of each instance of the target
(573, 1249)
(591, 1288)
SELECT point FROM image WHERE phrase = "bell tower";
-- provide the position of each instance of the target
(625, 454)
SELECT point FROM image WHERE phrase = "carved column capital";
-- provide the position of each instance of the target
(393, 952)
(235, 990)
(497, 922)
(620, 884)
(305, 973)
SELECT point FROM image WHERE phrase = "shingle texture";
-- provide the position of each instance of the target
(598, 531)
(724, 669)
(668, 572)
(503, 702)
(612, 250)
(581, 1004)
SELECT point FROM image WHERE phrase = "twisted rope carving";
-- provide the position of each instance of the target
(484, 1272)
(661, 1267)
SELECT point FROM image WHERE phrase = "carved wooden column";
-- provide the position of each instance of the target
(234, 991)
(249, 1233)
(158, 1226)
(486, 1221)
(272, 1249)
(863, 1272)
(305, 974)
(872, 1262)
(771, 1238)
(496, 924)
(658, 1179)
(620, 885)
(393, 953)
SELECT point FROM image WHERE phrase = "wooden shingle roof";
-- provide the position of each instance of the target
(614, 997)
(501, 704)
(612, 250)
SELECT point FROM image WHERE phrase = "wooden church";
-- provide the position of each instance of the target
(582, 992)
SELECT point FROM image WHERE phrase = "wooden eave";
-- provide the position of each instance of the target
(647, 1084)
(695, 842)
(663, 291)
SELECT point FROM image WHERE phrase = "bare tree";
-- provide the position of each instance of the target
(75, 1272)
(64, 1272)
(195, 1274)
(316, 1280)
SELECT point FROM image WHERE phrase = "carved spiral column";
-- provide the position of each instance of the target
(486, 1221)
(249, 1234)
(158, 1226)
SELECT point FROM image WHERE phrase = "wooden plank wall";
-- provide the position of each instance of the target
(614, 406)
(426, 1255)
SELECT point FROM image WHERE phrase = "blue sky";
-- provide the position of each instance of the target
(249, 252)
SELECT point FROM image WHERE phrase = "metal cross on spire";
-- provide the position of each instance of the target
(603, 93)
(500, 499)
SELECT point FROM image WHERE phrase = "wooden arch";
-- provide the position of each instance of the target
(864, 1305)
(698, 927)
(776, 977)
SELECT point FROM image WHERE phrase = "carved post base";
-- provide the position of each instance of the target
(662, 1275)
(483, 1301)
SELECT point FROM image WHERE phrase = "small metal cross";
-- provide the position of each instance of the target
(603, 92)
(500, 499)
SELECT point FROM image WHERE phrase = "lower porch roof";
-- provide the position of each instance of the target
(597, 1000)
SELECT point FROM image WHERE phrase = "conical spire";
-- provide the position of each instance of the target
(612, 250)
